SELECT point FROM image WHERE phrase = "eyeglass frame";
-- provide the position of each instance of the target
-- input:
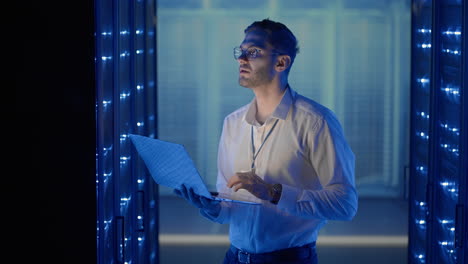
(236, 50)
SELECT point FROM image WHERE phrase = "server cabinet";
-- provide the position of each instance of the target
(437, 221)
(420, 105)
(127, 220)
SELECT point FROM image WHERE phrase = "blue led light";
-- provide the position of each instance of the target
(450, 51)
(425, 45)
(124, 32)
(445, 221)
(124, 160)
(445, 243)
(423, 115)
(139, 51)
(123, 138)
(106, 103)
(124, 54)
(423, 135)
(106, 33)
(450, 148)
(139, 31)
(124, 95)
(106, 150)
(452, 33)
(451, 189)
(424, 30)
(448, 128)
(423, 80)
(106, 58)
(451, 90)
(420, 258)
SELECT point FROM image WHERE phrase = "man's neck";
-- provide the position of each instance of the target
(268, 98)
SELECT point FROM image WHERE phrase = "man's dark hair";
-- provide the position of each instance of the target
(278, 35)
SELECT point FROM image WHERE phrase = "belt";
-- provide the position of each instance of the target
(282, 255)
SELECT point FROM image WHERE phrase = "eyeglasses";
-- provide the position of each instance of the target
(250, 53)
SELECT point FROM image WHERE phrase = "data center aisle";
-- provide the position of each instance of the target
(377, 233)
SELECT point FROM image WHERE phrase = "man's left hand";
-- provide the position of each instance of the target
(252, 183)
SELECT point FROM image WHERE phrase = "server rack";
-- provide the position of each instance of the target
(437, 222)
(127, 220)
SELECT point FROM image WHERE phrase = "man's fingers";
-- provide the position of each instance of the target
(237, 187)
(233, 181)
(240, 177)
(177, 192)
(247, 173)
(193, 197)
(183, 191)
(241, 186)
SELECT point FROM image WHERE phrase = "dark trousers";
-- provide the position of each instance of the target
(298, 255)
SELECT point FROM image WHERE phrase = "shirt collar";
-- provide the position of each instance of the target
(281, 111)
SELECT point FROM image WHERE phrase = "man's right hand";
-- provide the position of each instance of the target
(212, 207)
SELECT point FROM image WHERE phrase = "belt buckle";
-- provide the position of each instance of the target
(243, 257)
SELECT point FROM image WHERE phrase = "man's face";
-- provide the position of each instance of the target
(254, 72)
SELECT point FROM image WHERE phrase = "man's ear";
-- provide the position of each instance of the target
(283, 62)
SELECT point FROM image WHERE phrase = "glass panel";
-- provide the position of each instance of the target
(421, 78)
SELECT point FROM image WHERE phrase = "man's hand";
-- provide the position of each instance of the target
(252, 183)
(211, 207)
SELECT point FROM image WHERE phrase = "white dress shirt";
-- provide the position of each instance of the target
(307, 153)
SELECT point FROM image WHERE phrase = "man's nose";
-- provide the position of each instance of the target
(242, 59)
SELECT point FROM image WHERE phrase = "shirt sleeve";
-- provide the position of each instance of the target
(221, 181)
(333, 161)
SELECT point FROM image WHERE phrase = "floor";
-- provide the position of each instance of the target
(327, 255)
(377, 234)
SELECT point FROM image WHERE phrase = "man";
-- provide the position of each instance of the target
(286, 150)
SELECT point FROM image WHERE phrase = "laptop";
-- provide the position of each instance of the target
(170, 165)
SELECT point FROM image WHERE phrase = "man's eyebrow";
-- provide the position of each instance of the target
(252, 45)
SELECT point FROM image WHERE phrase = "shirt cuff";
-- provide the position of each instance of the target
(289, 198)
(222, 217)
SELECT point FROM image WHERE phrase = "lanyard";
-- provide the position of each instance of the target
(254, 155)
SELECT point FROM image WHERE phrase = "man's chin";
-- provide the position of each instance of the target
(244, 83)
